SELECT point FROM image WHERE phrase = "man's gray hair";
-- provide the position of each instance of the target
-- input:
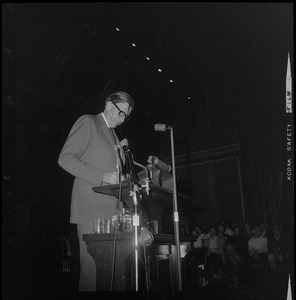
(121, 97)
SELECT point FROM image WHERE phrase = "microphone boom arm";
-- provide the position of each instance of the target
(147, 179)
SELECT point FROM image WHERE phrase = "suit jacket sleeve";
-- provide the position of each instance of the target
(71, 156)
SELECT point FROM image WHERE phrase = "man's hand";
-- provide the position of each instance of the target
(110, 177)
(124, 142)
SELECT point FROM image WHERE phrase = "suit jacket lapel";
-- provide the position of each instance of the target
(106, 131)
(112, 138)
(120, 150)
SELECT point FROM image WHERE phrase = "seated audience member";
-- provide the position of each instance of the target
(222, 239)
(257, 247)
(236, 251)
(228, 231)
(248, 232)
(196, 232)
(205, 233)
(215, 256)
(277, 248)
(264, 229)
(221, 229)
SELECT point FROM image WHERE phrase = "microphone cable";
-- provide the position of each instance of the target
(116, 233)
(145, 265)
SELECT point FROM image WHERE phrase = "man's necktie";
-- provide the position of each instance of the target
(120, 153)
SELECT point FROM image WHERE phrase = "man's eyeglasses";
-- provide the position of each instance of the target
(121, 113)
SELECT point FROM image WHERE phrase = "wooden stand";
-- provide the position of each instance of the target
(101, 246)
(161, 255)
(153, 204)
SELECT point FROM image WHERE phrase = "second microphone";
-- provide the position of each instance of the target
(159, 163)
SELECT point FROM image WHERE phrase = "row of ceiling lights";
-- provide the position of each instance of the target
(148, 58)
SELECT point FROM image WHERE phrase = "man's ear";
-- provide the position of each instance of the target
(108, 105)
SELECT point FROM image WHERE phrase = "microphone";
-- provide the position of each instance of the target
(160, 164)
(146, 237)
(125, 147)
(161, 127)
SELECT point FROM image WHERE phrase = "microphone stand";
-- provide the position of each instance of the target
(135, 194)
(163, 127)
(136, 224)
(176, 213)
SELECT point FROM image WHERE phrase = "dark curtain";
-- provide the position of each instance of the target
(258, 75)
(261, 164)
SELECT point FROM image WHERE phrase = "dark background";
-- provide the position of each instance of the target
(228, 64)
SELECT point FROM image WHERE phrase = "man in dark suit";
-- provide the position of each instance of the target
(215, 255)
(93, 154)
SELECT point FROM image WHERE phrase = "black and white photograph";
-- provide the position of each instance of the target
(148, 150)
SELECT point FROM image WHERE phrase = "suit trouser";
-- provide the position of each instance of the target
(87, 279)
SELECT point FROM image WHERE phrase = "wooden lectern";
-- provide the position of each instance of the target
(153, 205)
(101, 246)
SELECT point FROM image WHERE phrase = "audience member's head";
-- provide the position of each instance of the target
(257, 231)
(205, 229)
(276, 230)
(213, 230)
(228, 229)
(236, 230)
(263, 226)
(247, 228)
(196, 231)
(221, 228)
